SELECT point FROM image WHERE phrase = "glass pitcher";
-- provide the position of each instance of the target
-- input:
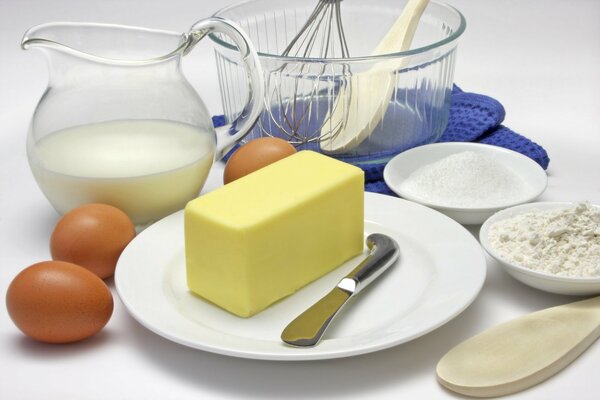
(120, 124)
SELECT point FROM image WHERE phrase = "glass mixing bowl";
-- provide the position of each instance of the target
(400, 100)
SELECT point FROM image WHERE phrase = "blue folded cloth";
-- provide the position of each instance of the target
(473, 118)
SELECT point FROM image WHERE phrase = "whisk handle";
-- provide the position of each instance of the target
(228, 135)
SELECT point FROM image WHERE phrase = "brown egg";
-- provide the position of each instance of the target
(58, 302)
(254, 155)
(93, 236)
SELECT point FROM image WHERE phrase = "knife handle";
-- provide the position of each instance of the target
(384, 252)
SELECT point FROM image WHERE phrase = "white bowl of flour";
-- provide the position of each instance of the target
(466, 181)
(550, 246)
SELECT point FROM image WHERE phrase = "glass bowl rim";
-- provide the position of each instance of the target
(419, 50)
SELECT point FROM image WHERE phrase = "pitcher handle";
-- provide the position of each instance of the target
(253, 108)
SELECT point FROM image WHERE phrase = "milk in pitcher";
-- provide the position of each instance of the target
(147, 168)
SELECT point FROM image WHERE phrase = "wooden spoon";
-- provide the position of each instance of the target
(370, 91)
(521, 353)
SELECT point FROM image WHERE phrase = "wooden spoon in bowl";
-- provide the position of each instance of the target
(369, 92)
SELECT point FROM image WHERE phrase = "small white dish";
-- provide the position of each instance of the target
(404, 164)
(539, 280)
(440, 272)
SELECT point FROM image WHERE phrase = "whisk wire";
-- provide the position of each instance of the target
(300, 117)
(341, 34)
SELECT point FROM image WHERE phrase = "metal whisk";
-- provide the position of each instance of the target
(299, 118)
(324, 29)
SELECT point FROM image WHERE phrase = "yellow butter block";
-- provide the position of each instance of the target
(260, 238)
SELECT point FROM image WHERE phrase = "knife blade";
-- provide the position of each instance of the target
(307, 329)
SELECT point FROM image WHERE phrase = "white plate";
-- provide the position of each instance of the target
(539, 280)
(404, 164)
(440, 272)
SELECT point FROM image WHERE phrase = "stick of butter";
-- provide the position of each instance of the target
(260, 238)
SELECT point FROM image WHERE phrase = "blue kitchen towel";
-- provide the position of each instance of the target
(473, 118)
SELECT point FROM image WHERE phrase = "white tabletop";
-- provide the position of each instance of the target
(539, 58)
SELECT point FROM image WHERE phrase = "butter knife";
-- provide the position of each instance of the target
(308, 328)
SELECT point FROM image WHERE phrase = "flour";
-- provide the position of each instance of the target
(466, 179)
(563, 242)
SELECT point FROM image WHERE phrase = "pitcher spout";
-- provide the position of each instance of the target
(106, 43)
(40, 36)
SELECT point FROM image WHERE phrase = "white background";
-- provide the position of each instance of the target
(540, 58)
